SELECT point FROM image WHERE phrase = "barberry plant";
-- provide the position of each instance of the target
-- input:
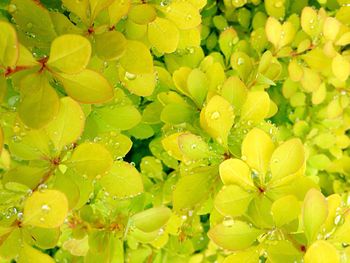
(174, 131)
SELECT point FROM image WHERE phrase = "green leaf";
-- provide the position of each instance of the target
(283, 251)
(239, 235)
(39, 101)
(35, 28)
(123, 181)
(151, 219)
(69, 54)
(174, 113)
(287, 159)
(232, 200)
(257, 148)
(235, 92)
(8, 45)
(44, 238)
(91, 159)
(68, 124)
(46, 209)
(314, 213)
(251, 255)
(192, 189)
(321, 251)
(284, 210)
(118, 117)
(31, 146)
(197, 85)
(137, 59)
(217, 118)
(110, 45)
(26, 175)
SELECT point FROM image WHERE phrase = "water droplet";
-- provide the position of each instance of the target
(337, 219)
(16, 138)
(184, 217)
(45, 208)
(132, 163)
(30, 34)
(278, 4)
(42, 219)
(244, 158)
(193, 146)
(190, 213)
(240, 61)
(129, 76)
(215, 115)
(228, 221)
(29, 25)
(20, 216)
(188, 17)
(42, 187)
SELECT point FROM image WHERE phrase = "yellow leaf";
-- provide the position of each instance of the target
(69, 53)
(235, 171)
(217, 118)
(331, 28)
(287, 159)
(46, 209)
(341, 67)
(257, 148)
(163, 35)
(321, 252)
(8, 45)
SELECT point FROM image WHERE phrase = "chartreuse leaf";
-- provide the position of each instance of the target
(77, 247)
(250, 255)
(26, 175)
(35, 28)
(341, 67)
(123, 181)
(241, 62)
(238, 235)
(163, 35)
(8, 45)
(256, 107)
(110, 45)
(91, 159)
(321, 251)
(217, 118)
(137, 58)
(69, 53)
(68, 124)
(333, 203)
(31, 146)
(117, 10)
(151, 219)
(283, 251)
(142, 14)
(66, 185)
(314, 213)
(171, 145)
(279, 35)
(119, 117)
(79, 8)
(285, 209)
(287, 159)
(174, 113)
(190, 190)
(183, 14)
(227, 39)
(39, 101)
(275, 8)
(87, 86)
(11, 239)
(235, 171)
(197, 86)
(25, 58)
(234, 91)
(46, 209)
(96, 6)
(29, 254)
(331, 28)
(232, 200)
(192, 146)
(257, 148)
(44, 238)
(141, 84)
(117, 143)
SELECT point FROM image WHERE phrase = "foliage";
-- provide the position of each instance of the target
(174, 131)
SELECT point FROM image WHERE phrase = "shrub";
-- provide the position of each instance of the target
(174, 131)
